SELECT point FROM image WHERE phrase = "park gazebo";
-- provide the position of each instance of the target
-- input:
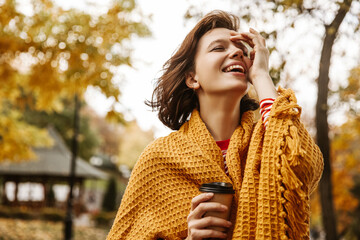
(52, 166)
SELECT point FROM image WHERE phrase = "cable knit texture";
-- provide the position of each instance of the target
(273, 173)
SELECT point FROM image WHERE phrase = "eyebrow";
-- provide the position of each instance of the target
(220, 40)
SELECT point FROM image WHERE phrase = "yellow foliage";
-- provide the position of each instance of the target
(115, 117)
(345, 163)
(291, 3)
(353, 88)
(315, 209)
(18, 138)
(343, 199)
(345, 157)
(53, 55)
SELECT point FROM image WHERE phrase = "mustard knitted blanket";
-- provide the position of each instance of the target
(273, 173)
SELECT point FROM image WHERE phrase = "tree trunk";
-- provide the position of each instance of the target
(68, 229)
(328, 212)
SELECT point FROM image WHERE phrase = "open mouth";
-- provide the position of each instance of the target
(234, 68)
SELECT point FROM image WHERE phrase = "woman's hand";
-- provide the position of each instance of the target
(197, 224)
(259, 71)
(259, 55)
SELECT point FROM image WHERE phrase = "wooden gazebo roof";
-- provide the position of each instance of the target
(51, 162)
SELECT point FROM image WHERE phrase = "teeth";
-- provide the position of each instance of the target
(228, 69)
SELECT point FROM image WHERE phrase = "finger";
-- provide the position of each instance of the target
(245, 36)
(252, 55)
(249, 36)
(204, 207)
(258, 42)
(243, 39)
(199, 199)
(256, 35)
(253, 31)
(252, 35)
(240, 38)
(207, 233)
(234, 33)
(209, 221)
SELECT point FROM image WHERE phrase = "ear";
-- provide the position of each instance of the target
(192, 81)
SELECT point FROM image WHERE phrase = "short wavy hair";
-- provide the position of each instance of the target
(172, 97)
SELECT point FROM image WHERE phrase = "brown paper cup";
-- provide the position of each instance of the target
(223, 193)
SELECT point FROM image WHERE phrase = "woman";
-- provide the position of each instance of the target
(273, 164)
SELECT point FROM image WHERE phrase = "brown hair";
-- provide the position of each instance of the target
(172, 97)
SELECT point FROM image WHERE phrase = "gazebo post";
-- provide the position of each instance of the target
(3, 196)
(46, 194)
(16, 193)
(81, 190)
(81, 193)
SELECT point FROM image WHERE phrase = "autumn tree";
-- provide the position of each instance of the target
(346, 167)
(110, 132)
(109, 200)
(53, 54)
(132, 143)
(89, 139)
(345, 161)
(349, 95)
(281, 22)
(346, 158)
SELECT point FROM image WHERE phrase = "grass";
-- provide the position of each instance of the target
(16, 229)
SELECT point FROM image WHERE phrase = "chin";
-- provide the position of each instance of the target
(236, 91)
(242, 87)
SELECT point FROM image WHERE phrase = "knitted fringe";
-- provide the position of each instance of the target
(295, 204)
(294, 197)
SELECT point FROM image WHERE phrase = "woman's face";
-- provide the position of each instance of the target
(221, 65)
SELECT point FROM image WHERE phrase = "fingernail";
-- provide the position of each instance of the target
(224, 207)
(209, 194)
(229, 223)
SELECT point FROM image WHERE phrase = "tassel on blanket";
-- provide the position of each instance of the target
(295, 204)
(291, 158)
(289, 109)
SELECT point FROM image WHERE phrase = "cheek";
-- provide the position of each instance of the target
(207, 66)
(203, 68)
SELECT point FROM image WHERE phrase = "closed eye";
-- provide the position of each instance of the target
(218, 48)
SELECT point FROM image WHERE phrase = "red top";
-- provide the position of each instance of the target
(224, 144)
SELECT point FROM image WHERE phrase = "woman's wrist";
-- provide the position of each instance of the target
(260, 77)
(264, 86)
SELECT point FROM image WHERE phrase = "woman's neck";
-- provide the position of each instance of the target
(221, 117)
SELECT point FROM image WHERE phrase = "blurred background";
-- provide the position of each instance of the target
(74, 76)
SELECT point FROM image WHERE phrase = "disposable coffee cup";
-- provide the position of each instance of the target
(223, 193)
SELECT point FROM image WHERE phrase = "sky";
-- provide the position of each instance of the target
(169, 29)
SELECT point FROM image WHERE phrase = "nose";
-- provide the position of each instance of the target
(237, 53)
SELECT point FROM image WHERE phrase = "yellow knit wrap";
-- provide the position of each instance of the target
(273, 173)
